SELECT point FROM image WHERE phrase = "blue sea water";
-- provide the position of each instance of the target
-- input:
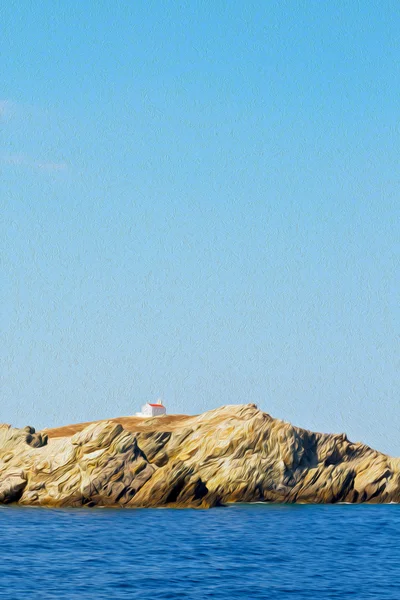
(243, 551)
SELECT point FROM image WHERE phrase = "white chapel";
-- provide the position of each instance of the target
(152, 410)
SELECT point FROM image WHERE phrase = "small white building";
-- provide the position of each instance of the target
(152, 410)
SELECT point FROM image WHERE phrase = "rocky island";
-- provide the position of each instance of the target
(235, 453)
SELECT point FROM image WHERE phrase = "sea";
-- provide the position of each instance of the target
(310, 552)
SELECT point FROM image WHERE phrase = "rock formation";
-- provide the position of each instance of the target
(232, 454)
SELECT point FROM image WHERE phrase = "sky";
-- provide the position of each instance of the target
(200, 202)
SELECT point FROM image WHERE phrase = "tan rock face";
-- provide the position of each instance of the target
(232, 454)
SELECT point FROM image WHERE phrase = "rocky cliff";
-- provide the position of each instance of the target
(232, 454)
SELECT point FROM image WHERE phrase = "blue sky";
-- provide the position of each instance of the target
(201, 202)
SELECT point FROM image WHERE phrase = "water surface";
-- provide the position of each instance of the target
(245, 551)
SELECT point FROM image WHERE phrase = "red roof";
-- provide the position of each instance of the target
(160, 405)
